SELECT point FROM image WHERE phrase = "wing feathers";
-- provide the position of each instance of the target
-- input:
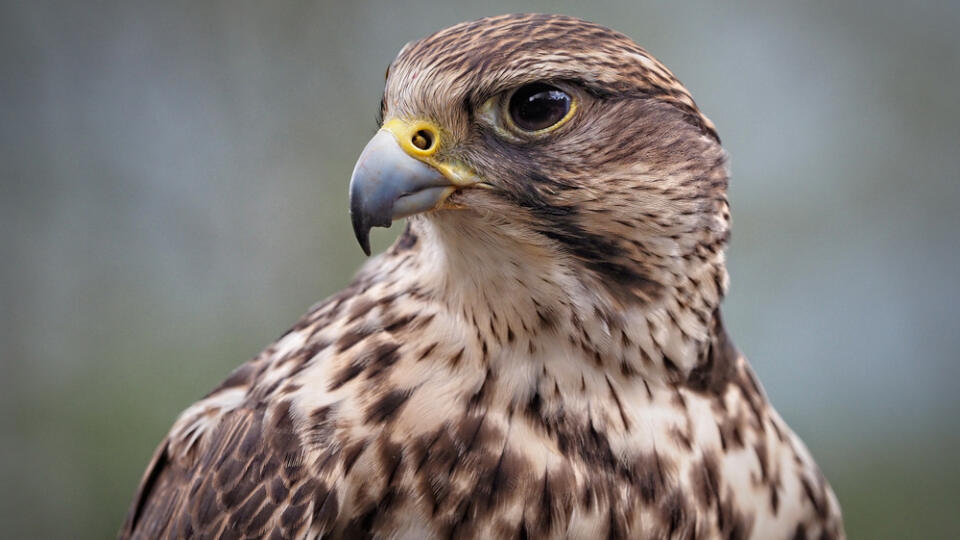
(244, 477)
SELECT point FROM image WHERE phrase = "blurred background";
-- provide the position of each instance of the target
(173, 186)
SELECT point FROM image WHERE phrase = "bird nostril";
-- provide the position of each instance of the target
(423, 140)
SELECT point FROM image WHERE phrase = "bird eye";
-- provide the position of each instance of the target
(538, 106)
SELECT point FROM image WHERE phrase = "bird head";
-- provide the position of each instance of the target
(559, 136)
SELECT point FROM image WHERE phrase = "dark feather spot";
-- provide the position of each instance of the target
(761, 451)
(482, 394)
(351, 338)
(322, 425)
(714, 372)
(616, 399)
(249, 508)
(815, 498)
(455, 359)
(674, 513)
(391, 457)
(277, 490)
(346, 374)
(257, 522)
(648, 475)
(387, 405)
(207, 507)
(426, 352)
(398, 323)
(350, 454)
(382, 358)
(325, 509)
(292, 517)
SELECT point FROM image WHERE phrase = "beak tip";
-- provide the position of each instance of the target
(364, 244)
(361, 229)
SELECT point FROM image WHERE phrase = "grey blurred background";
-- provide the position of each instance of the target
(173, 197)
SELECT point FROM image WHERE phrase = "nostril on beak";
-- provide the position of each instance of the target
(418, 138)
(423, 139)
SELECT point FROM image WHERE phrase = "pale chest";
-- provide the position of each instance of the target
(571, 454)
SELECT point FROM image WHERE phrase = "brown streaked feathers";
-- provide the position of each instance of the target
(546, 361)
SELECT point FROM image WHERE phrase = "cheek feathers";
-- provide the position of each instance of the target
(624, 193)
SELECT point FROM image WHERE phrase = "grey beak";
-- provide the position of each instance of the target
(388, 184)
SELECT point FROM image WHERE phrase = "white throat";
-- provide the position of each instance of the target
(517, 292)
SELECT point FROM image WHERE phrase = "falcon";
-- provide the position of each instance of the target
(541, 354)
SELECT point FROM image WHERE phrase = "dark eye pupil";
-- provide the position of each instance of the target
(538, 106)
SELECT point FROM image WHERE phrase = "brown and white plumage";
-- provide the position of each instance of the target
(543, 358)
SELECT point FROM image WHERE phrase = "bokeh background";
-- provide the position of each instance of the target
(173, 185)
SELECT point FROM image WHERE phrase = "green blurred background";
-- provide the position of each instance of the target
(173, 197)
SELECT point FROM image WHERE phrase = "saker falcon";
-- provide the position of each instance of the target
(541, 352)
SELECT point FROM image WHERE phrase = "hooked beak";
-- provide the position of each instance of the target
(397, 176)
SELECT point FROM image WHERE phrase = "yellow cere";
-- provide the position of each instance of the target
(406, 132)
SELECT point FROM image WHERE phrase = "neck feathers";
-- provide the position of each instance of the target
(522, 297)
